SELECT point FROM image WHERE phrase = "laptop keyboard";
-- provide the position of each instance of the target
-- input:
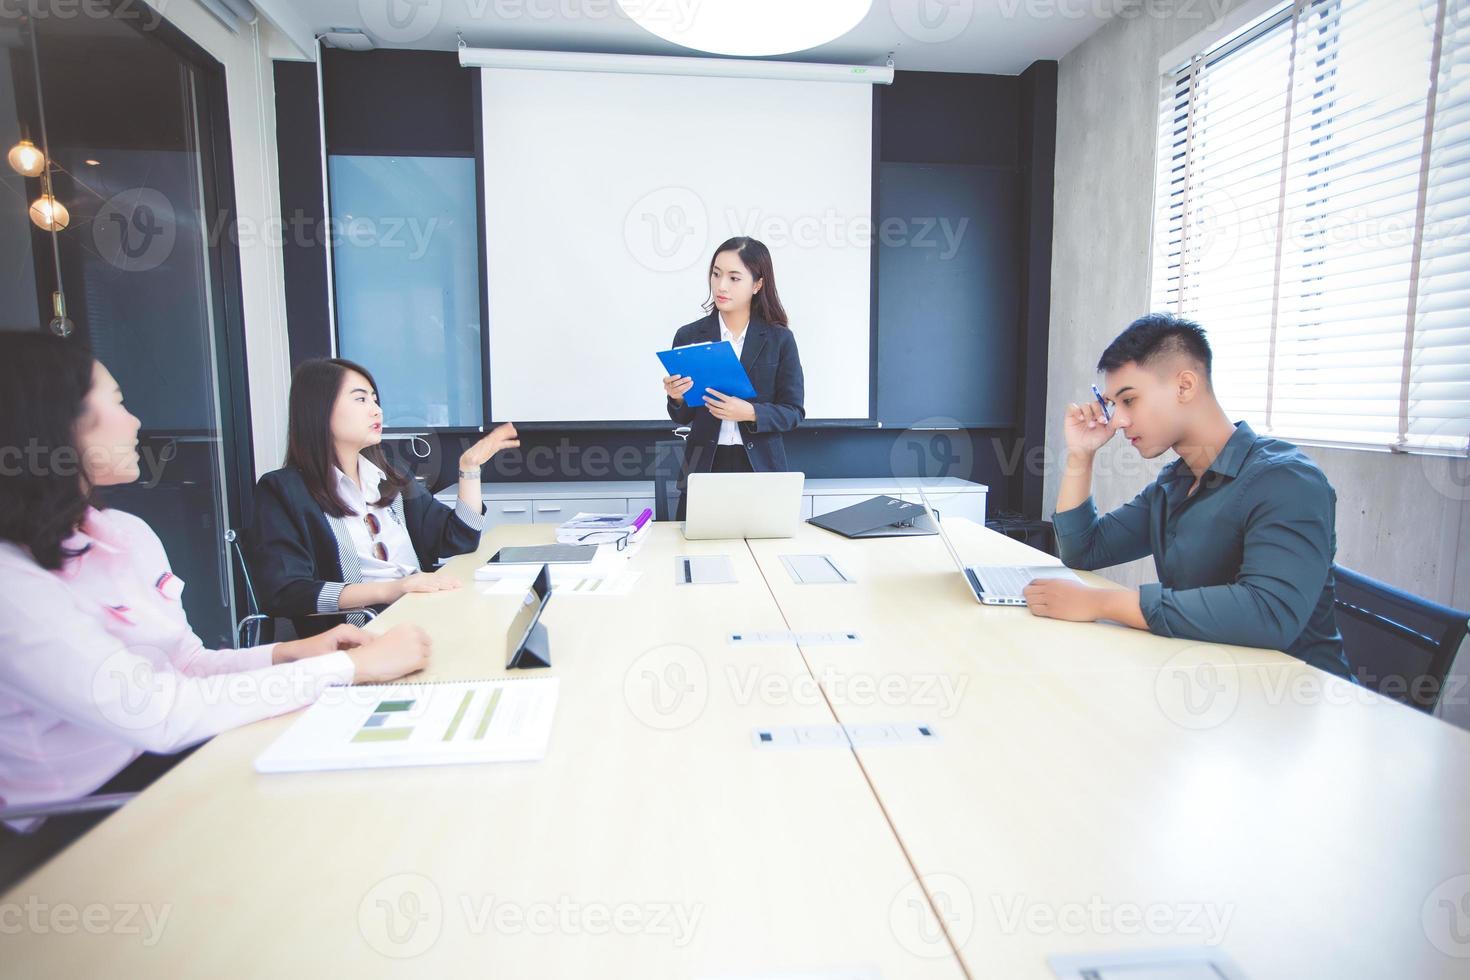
(1001, 580)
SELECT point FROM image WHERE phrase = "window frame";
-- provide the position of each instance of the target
(1234, 34)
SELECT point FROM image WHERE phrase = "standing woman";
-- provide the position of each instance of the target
(338, 528)
(728, 434)
(101, 678)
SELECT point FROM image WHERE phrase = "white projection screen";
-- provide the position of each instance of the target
(605, 195)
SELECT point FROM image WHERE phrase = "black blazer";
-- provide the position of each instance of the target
(294, 553)
(770, 358)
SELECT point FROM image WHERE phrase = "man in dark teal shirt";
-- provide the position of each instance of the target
(1241, 527)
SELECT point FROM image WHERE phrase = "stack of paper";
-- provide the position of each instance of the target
(569, 583)
(425, 724)
(627, 529)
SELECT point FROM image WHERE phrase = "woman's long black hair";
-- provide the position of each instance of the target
(766, 304)
(44, 492)
(315, 385)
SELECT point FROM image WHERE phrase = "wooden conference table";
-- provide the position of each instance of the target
(1086, 788)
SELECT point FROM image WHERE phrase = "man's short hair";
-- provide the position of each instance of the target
(1157, 335)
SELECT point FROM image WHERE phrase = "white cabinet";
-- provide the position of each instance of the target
(557, 510)
(507, 512)
(552, 503)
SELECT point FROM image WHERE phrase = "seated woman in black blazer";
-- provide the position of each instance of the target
(727, 434)
(337, 527)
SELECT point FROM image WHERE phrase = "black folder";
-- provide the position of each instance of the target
(880, 517)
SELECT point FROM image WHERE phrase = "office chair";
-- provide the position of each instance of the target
(1398, 644)
(668, 462)
(247, 630)
(1038, 534)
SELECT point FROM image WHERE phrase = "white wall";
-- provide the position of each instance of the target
(252, 107)
(1400, 518)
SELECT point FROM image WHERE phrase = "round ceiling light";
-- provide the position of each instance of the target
(747, 28)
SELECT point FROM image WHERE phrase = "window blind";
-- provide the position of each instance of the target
(1313, 213)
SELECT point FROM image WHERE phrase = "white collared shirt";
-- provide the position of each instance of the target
(98, 665)
(730, 431)
(393, 533)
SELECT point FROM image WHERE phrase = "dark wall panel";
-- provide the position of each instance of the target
(1039, 152)
(948, 294)
(385, 102)
(303, 249)
(943, 117)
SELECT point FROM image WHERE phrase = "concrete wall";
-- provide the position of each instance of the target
(1400, 518)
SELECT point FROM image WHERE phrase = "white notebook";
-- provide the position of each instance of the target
(418, 724)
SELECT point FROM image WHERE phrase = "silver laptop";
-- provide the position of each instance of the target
(997, 585)
(743, 505)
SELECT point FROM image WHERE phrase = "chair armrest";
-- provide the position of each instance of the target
(367, 611)
(87, 804)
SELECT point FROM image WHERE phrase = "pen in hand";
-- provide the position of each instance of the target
(1107, 415)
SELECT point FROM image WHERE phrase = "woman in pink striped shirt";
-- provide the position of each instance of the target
(98, 664)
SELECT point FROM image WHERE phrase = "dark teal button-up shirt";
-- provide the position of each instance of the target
(1246, 560)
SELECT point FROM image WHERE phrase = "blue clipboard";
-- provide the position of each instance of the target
(710, 365)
